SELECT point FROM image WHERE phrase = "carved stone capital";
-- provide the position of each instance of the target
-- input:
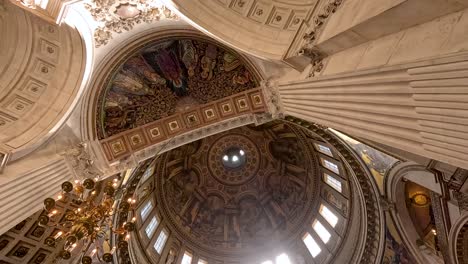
(272, 98)
(81, 161)
(317, 67)
(304, 43)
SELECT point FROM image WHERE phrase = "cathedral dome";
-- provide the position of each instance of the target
(241, 195)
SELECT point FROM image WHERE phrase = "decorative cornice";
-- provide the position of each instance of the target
(303, 44)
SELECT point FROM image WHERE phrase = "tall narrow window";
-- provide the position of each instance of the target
(151, 226)
(311, 245)
(187, 258)
(331, 166)
(331, 218)
(149, 171)
(161, 241)
(333, 182)
(324, 149)
(283, 259)
(146, 210)
(202, 261)
(321, 231)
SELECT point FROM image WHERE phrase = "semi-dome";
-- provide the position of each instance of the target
(165, 76)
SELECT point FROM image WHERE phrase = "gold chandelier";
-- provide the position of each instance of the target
(86, 231)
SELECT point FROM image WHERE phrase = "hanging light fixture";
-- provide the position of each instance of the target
(88, 227)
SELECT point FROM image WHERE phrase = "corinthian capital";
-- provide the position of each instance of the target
(272, 98)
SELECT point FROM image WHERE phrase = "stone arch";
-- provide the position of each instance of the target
(42, 74)
(395, 193)
(120, 53)
(458, 240)
(264, 29)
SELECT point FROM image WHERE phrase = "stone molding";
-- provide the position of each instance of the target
(261, 28)
(374, 233)
(458, 241)
(401, 219)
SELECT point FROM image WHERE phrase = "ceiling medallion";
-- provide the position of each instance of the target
(117, 16)
(234, 158)
(228, 162)
(127, 11)
(420, 199)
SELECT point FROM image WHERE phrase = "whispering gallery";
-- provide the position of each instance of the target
(234, 131)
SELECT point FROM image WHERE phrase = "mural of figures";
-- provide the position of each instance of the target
(242, 207)
(169, 76)
(395, 252)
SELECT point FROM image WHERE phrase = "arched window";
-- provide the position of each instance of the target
(333, 182)
(321, 231)
(311, 245)
(324, 149)
(161, 241)
(330, 165)
(187, 258)
(149, 171)
(331, 218)
(149, 230)
(146, 210)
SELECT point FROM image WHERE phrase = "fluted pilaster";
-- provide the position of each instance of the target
(419, 107)
(23, 196)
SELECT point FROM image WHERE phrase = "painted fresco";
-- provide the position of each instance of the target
(166, 77)
(395, 252)
(377, 162)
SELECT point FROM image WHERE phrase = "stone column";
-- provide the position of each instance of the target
(421, 108)
(23, 196)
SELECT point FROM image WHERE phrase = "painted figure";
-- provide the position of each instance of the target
(130, 83)
(208, 62)
(138, 65)
(169, 65)
(230, 62)
(189, 56)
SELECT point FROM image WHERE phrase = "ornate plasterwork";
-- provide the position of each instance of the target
(320, 18)
(285, 15)
(234, 212)
(118, 16)
(272, 99)
(81, 161)
(303, 44)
